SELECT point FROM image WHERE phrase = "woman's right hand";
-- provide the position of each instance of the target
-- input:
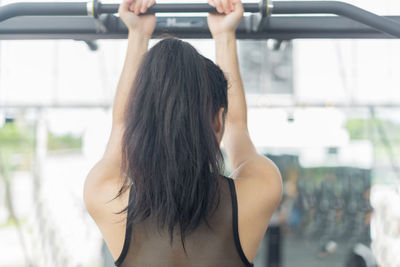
(230, 14)
(129, 12)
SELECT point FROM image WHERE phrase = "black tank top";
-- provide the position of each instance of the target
(218, 246)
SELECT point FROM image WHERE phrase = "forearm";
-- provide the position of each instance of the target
(227, 59)
(137, 47)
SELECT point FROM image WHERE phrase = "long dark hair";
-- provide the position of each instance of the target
(171, 156)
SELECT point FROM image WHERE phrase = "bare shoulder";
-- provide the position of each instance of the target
(258, 186)
(259, 179)
(101, 186)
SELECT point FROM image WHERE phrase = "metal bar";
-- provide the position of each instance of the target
(279, 7)
(177, 8)
(281, 28)
(341, 9)
(328, 105)
(97, 8)
(270, 105)
(42, 9)
(55, 105)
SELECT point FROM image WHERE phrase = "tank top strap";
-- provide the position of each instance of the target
(128, 233)
(232, 191)
(235, 222)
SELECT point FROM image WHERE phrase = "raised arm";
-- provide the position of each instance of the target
(107, 170)
(257, 180)
(140, 30)
(237, 142)
(258, 173)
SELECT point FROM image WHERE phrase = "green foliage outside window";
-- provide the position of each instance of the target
(17, 144)
(361, 129)
(384, 135)
(63, 142)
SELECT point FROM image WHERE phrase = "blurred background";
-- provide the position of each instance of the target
(327, 112)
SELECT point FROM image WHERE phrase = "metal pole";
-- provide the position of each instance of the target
(95, 8)
(276, 27)
(106, 105)
(42, 9)
(341, 9)
(177, 8)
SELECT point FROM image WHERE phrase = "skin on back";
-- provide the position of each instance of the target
(257, 180)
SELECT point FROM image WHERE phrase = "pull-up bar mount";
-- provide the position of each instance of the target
(268, 7)
(266, 10)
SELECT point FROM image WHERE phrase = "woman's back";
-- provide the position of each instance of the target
(208, 246)
(171, 112)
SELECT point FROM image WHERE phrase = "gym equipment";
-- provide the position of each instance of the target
(93, 20)
(328, 213)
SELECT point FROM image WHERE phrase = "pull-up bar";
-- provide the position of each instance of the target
(389, 26)
(95, 8)
(267, 8)
(341, 9)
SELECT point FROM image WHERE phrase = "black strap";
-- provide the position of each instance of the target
(234, 226)
(235, 223)
(128, 233)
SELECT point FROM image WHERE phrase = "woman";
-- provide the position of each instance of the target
(157, 195)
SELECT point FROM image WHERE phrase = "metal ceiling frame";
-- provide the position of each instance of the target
(89, 21)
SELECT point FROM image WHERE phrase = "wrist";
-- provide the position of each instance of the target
(225, 39)
(138, 37)
(223, 36)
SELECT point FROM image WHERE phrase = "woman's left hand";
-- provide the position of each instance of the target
(129, 12)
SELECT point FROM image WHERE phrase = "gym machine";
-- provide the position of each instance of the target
(93, 20)
(88, 21)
